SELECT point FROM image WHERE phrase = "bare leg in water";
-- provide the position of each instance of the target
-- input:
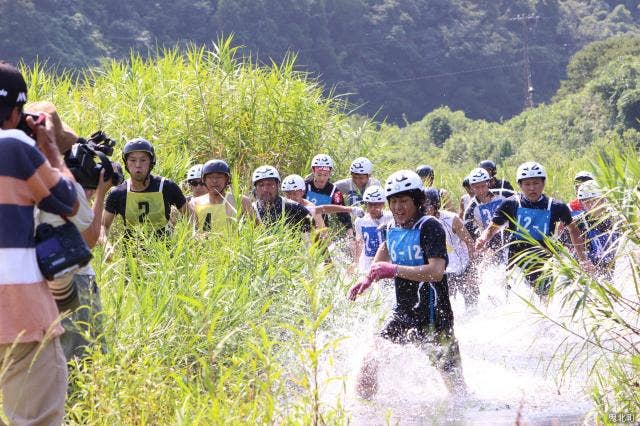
(367, 385)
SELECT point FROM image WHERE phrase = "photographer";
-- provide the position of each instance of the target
(78, 291)
(34, 379)
(85, 318)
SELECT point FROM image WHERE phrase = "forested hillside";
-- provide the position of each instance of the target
(398, 59)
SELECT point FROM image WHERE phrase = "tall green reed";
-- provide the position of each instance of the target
(203, 329)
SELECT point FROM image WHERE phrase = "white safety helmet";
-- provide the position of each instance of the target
(583, 176)
(530, 169)
(373, 194)
(478, 175)
(195, 172)
(264, 172)
(322, 160)
(589, 189)
(402, 181)
(292, 183)
(361, 166)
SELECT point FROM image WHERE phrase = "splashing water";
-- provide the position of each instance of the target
(511, 359)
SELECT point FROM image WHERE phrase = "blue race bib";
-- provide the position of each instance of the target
(404, 246)
(318, 199)
(535, 221)
(371, 238)
(487, 210)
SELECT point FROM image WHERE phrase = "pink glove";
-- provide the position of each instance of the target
(359, 287)
(380, 270)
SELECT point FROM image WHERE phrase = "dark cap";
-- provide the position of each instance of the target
(487, 164)
(424, 171)
(432, 197)
(13, 88)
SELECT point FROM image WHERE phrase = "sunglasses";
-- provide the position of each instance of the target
(196, 183)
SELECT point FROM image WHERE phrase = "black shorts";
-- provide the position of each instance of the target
(440, 345)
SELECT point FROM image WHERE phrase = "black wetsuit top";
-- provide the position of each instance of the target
(294, 213)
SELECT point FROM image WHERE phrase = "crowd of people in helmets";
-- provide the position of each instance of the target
(424, 241)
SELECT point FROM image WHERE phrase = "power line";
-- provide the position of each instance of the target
(357, 85)
(444, 74)
(528, 79)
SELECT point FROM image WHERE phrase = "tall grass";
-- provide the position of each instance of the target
(223, 328)
(206, 104)
(208, 330)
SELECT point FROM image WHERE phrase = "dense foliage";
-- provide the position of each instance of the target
(398, 58)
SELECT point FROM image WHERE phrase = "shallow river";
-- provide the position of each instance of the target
(510, 358)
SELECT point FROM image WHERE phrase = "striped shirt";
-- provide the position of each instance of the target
(27, 309)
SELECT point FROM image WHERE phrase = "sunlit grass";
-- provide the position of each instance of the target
(210, 329)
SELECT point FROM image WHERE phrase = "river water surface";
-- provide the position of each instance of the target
(510, 355)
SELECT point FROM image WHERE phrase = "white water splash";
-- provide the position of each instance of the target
(510, 358)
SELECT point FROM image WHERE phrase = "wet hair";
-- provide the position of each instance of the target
(432, 197)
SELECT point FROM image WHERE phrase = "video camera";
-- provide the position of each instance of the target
(88, 157)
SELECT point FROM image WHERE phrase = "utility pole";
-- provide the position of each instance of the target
(528, 80)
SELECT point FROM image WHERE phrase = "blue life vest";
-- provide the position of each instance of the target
(487, 210)
(405, 249)
(536, 222)
(317, 198)
(371, 237)
(404, 245)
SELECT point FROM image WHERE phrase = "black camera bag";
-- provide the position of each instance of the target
(60, 249)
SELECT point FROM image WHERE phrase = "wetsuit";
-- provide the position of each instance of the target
(152, 205)
(539, 218)
(501, 184)
(422, 314)
(325, 196)
(294, 214)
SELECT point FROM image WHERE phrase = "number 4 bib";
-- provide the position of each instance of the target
(145, 207)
